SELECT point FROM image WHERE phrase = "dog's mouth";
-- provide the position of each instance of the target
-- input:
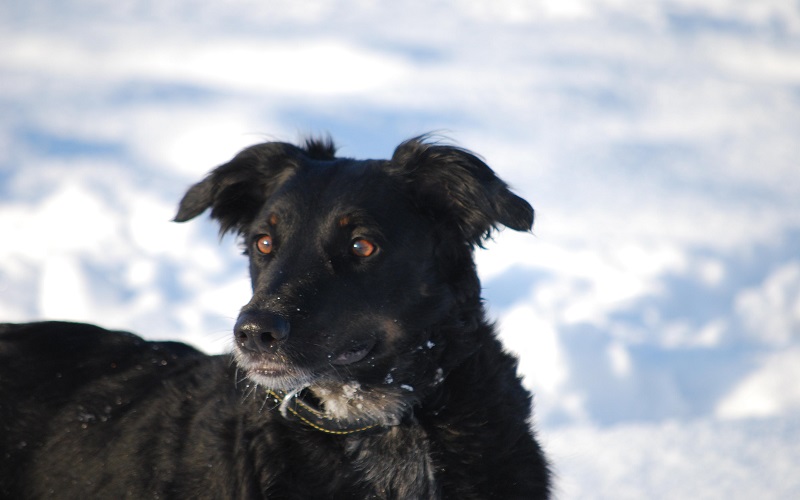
(273, 371)
(273, 374)
(275, 378)
(284, 374)
(354, 354)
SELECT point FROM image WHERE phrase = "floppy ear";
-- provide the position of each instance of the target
(453, 183)
(236, 190)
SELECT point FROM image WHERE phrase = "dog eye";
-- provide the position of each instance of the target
(264, 244)
(363, 248)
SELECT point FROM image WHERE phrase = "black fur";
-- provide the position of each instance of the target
(366, 312)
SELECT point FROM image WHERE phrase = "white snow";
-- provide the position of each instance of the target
(655, 307)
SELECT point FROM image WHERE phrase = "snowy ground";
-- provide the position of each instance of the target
(656, 308)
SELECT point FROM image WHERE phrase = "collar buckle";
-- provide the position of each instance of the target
(298, 406)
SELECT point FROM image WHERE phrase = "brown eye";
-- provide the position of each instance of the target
(363, 248)
(264, 244)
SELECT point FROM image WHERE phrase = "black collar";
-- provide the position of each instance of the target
(303, 407)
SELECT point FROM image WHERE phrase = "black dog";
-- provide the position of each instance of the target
(363, 366)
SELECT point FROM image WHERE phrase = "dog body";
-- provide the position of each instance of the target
(363, 366)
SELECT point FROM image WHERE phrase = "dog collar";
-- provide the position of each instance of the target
(300, 406)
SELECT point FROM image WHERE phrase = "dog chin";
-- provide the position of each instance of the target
(340, 399)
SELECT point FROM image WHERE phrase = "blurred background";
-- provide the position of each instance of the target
(656, 306)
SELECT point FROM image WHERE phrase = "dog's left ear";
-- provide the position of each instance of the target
(236, 190)
(453, 183)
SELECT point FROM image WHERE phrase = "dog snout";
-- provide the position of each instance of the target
(256, 331)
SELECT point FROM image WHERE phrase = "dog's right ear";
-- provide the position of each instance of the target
(236, 190)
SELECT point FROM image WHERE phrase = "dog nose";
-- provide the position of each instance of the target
(255, 331)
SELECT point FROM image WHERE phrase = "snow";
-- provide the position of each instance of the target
(656, 306)
(698, 459)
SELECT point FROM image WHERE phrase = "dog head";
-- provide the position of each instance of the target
(364, 287)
